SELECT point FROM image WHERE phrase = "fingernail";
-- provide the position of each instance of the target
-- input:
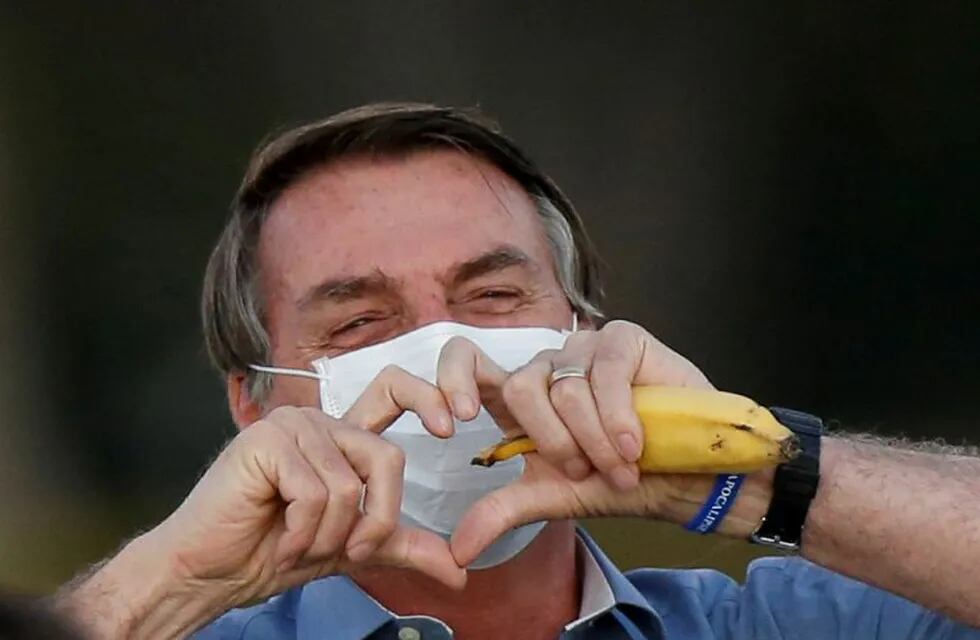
(577, 468)
(463, 406)
(285, 565)
(461, 584)
(360, 551)
(444, 422)
(629, 448)
(623, 478)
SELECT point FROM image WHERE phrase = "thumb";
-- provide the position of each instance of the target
(516, 504)
(424, 551)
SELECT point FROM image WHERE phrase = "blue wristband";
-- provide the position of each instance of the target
(714, 509)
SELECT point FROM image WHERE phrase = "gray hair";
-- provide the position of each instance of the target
(232, 306)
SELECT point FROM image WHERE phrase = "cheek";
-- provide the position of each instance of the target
(293, 392)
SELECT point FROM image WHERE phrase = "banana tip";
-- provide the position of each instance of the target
(790, 447)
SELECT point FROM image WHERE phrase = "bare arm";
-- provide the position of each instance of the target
(136, 594)
(903, 520)
(279, 507)
(898, 517)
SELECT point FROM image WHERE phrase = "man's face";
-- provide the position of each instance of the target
(362, 250)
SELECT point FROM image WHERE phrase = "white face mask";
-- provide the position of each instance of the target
(440, 483)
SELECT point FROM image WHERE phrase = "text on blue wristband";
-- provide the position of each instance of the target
(717, 505)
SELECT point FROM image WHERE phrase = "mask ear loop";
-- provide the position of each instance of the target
(282, 371)
(330, 406)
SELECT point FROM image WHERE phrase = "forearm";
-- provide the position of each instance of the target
(902, 520)
(897, 519)
(136, 594)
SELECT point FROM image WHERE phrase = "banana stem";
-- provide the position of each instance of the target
(504, 450)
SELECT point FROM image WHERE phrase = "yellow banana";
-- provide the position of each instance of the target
(691, 431)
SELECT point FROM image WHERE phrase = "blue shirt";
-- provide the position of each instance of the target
(783, 598)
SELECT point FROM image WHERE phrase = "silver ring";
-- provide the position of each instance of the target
(360, 503)
(571, 371)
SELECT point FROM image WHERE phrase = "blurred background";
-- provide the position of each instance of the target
(788, 195)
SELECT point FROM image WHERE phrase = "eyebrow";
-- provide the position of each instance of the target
(494, 260)
(339, 290)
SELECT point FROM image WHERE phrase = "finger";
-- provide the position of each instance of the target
(648, 360)
(424, 551)
(526, 395)
(575, 405)
(549, 496)
(312, 432)
(302, 491)
(462, 371)
(611, 451)
(627, 355)
(659, 364)
(395, 391)
(500, 511)
(614, 368)
(381, 465)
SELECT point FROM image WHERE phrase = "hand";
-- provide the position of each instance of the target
(581, 426)
(281, 504)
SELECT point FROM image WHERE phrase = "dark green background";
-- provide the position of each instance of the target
(786, 194)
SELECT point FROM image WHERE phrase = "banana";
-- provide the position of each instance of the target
(691, 431)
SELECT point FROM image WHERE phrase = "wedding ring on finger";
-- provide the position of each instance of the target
(362, 500)
(571, 371)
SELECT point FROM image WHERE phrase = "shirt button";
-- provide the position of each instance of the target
(408, 633)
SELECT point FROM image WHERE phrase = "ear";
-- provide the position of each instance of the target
(587, 322)
(244, 410)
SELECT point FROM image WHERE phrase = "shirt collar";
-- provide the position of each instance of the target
(596, 590)
(337, 604)
(597, 595)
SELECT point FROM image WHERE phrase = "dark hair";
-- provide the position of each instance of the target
(231, 305)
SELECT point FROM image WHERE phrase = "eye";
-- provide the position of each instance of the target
(497, 293)
(356, 323)
(494, 300)
(358, 332)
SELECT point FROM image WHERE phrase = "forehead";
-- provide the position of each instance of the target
(408, 215)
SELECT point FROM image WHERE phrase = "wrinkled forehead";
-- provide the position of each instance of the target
(407, 215)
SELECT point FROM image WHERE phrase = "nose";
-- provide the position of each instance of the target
(429, 307)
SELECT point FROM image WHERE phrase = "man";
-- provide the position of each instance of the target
(394, 240)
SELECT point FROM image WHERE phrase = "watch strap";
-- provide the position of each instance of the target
(794, 484)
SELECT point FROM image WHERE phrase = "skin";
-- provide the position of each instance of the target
(465, 209)
(279, 506)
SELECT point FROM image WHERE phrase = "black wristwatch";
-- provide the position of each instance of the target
(794, 485)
